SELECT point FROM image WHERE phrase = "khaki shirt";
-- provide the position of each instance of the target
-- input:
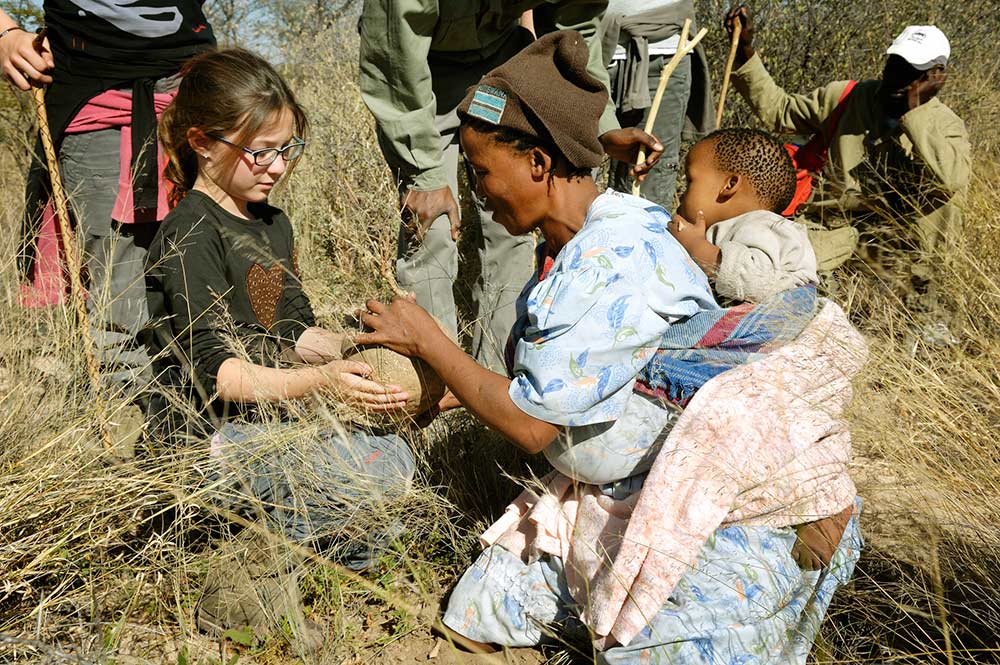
(398, 37)
(917, 168)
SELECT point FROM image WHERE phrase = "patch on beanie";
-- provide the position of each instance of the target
(488, 104)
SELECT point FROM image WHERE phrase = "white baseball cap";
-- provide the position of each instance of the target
(923, 46)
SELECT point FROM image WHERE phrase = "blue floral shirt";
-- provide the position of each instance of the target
(584, 332)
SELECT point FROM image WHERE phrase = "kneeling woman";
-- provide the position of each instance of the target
(610, 283)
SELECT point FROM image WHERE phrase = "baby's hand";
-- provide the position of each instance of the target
(687, 233)
(816, 542)
(692, 238)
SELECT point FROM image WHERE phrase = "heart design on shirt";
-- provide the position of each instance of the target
(265, 288)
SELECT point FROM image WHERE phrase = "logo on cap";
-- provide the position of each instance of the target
(488, 104)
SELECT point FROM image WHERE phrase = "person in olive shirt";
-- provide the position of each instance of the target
(897, 155)
(418, 58)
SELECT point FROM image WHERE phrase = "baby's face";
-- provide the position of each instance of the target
(705, 182)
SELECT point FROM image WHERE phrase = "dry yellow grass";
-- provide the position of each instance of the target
(103, 561)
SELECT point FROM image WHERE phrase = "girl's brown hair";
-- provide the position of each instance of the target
(222, 91)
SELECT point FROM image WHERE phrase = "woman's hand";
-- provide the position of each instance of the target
(402, 325)
(348, 381)
(23, 61)
(624, 144)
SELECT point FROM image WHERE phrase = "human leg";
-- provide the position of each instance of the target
(506, 264)
(322, 490)
(113, 254)
(428, 267)
(253, 581)
(746, 600)
(325, 489)
(502, 600)
(661, 183)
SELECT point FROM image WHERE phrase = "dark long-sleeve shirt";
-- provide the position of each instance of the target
(220, 287)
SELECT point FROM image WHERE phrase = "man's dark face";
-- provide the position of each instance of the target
(897, 76)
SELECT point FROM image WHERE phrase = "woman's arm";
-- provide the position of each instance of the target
(241, 381)
(406, 328)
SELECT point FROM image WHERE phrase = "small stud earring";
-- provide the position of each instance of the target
(205, 155)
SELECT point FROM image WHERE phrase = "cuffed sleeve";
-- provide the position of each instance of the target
(940, 148)
(761, 255)
(781, 111)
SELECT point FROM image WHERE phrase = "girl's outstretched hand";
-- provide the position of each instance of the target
(402, 325)
(347, 380)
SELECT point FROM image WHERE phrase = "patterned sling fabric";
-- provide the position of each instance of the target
(713, 341)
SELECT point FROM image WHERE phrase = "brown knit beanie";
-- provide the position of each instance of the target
(546, 92)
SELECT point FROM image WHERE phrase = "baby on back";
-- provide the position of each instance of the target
(737, 181)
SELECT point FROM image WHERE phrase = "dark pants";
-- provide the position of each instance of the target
(113, 254)
(660, 185)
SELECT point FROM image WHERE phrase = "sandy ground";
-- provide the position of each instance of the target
(140, 645)
(422, 647)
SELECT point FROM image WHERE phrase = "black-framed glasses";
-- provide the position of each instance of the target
(266, 156)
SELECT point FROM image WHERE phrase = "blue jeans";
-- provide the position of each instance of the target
(324, 489)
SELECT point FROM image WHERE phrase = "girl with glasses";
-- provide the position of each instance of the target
(232, 330)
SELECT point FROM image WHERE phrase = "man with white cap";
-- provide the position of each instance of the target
(892, 155)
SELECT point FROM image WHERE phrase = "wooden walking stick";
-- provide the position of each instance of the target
(684, 47)
(737, 29)
(70, 250)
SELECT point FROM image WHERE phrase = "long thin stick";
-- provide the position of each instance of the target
(69, 247)
(684, 47)
(737, 29)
